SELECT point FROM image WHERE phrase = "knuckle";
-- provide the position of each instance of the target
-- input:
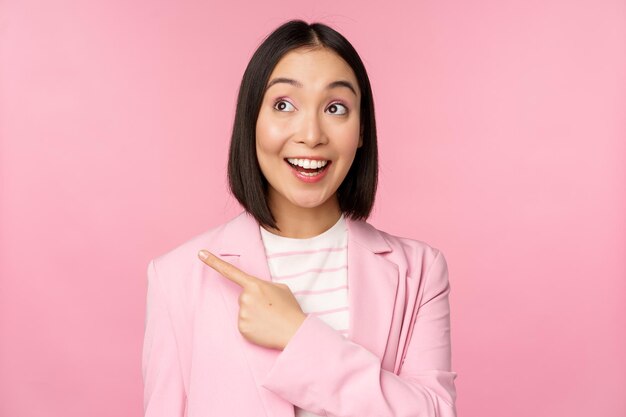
(241, 327)
(244, 298)
(243, 320)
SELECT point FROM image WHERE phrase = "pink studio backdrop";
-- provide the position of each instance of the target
(501, 128)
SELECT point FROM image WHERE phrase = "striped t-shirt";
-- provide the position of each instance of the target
(316, 271)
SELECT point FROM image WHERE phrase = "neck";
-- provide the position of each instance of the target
(303, 222)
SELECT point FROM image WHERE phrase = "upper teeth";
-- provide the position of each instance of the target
(307, 163)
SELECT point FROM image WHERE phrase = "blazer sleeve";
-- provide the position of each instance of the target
(164, 392)
(321, 371)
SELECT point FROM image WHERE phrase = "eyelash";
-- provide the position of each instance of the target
(331, 104)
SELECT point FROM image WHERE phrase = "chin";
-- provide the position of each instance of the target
(307, 202)
(308, 205)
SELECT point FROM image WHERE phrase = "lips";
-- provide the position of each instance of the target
(309, 175)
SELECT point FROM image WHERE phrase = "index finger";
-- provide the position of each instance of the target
(226, 269)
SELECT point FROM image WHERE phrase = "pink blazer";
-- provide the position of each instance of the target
(395, 361)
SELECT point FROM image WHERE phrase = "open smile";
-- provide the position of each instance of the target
(308, 170)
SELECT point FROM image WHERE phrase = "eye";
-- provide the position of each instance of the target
(282, 104)
(334, 107)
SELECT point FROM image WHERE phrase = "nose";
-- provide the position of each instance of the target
(312, 130)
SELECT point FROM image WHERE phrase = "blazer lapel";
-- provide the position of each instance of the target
(242, 246)
(372, 290)
(372, 287)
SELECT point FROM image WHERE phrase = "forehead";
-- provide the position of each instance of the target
(313, 68)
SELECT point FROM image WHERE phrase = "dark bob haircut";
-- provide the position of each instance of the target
(247, 183)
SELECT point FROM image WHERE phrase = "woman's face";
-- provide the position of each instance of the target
(309, 117)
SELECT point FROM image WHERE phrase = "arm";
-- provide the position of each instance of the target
(321, 371)
(164, 392)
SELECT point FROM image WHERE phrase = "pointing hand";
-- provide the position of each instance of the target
(269, 314)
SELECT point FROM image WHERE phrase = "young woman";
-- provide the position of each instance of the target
(298, 306)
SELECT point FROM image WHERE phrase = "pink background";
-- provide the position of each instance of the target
(502, 142)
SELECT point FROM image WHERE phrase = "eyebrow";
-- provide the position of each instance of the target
(295, 83)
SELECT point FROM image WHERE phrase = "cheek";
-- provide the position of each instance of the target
(350, 143)
(269, 136)
(348, 151)
(347, 133)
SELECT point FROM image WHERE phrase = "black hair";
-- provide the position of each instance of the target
(357, 192)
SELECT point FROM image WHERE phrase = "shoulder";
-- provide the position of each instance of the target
(424, 264)
(417, 255)
(182, 259)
